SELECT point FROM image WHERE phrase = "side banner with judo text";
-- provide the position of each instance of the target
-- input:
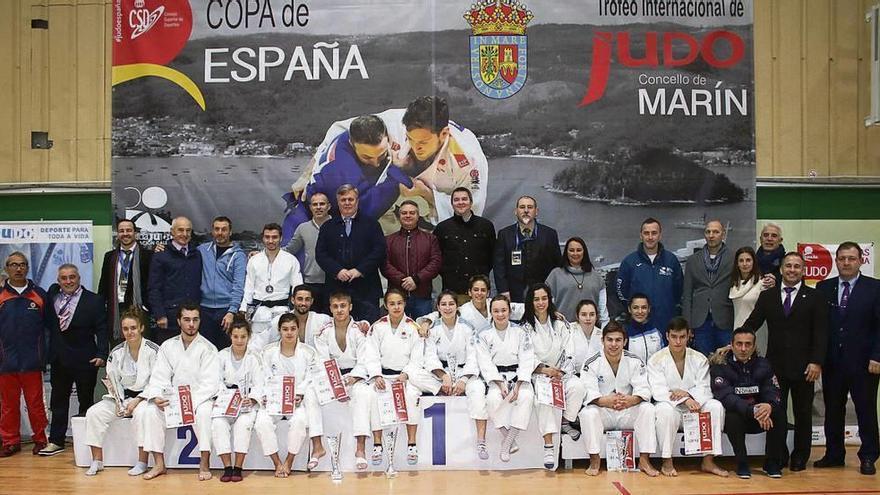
(47, 246)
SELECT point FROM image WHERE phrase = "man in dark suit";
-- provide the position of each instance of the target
(853, 362)
(77, 348)
(525, 252)
(175, 278)
(797, 322)
(124, 276)
(350, 250)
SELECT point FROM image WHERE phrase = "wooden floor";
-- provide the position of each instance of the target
(30, 475)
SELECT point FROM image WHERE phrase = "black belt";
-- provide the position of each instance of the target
(232, 387)
(446, 364)
(271, 304)
(345, 371)
(389, 371)
(130, 394)
(505, 369)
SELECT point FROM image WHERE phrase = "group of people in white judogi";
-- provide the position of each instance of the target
(476, 350)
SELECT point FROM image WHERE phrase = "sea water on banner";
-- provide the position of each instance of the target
(446, 439)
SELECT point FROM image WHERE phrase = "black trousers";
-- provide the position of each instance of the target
(211, 326)
(802, 406)
(62, 379)
(737, 426)
(836, 383)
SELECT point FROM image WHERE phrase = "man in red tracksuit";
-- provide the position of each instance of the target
(413, 261)
(25, 316)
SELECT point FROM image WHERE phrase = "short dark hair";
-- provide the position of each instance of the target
(187, 306)
(239, 321)
(614, 326)
(526, 196)
(796, 254)
(639, 295)
(134, 313)
(446, 292)
(287, 317)
(126, 220)
(221, 218)
(462, 189)
(367, 129)
(394, 290)
(271, 226)
(499, 297)
(427, 112)
(479, 278)
(340, 296)
(741, 330)
(302, 287)
(408, 202)
(585, 302)
(849, 245)
(650, 220)
(678, 323)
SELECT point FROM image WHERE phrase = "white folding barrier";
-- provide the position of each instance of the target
(446, 440)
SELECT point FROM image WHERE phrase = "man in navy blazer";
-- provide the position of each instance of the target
(797, 340)
(525, 252)
(853, 362)
(350, 250)
(78, 346)
(175, 278)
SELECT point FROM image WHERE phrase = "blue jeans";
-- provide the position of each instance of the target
(418, 306)
(708, 337)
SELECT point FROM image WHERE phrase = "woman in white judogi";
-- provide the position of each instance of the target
(289, 357)
(240, 369)
(130, 363)
(618, 398)
(358, 360)
(549, 333)
(476, 311)
(454, 338)
(507, 358)
(410, 359)
(584, 340)
(187, 359)
(679, 379)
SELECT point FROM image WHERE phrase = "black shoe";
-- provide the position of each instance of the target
(772, 470)
(827, 462)
(797, 466)
(867, 467)
(743, 471)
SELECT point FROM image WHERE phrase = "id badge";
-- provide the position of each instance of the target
(516, 257)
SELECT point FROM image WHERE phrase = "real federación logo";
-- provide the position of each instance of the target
(498, 47)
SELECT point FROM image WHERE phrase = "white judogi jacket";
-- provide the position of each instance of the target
(314, 323)
(283, 275)
(460, 161)
(248, 377)
(360, 354)
(663, 376)
(401, 348)
(549, 340)
(196, 366)
(133, 375)
(456, 342)
(580, 347)
(513, 347)
(298, 365)
(473, 315)
(600, 380)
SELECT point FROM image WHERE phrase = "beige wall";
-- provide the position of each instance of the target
(811, 77)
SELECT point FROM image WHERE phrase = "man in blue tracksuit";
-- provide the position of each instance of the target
(360, 157)
(653, 271)
(223, 273)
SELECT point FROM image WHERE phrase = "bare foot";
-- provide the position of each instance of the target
(319, 452)
(648, 469)
(593, 470)
(205, 475)
(154, 473)
(281, 471)
(668, 469)
(709, 466)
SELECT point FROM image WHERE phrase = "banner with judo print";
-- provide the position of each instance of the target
(605, 111)
(47, 246)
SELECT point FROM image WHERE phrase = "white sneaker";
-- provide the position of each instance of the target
(94, 468)
(412, 455)
(377, 455)
(138, 469)
(549, 457)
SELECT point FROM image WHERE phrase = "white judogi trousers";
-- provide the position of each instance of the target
(233, 433)
(669, 421)
(102, 414)
(516, 414)
(154, 427)
(548, 416)
(298, 424)
(595, 420)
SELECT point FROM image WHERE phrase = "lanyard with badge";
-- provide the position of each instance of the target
(516, 258)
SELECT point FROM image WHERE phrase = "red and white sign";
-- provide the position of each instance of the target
(180, 410)
(397, 392)
(329, 383)
(227, 404)
(150, 31)
(550, 391)
(280, 395)
(620, 450)
(819, 261)
(392, 405)
(697, 429)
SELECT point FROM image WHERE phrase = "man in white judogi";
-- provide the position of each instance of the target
(308, 321)
(679, 379)
(618, 398)
(271, 276)
(188, 359)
